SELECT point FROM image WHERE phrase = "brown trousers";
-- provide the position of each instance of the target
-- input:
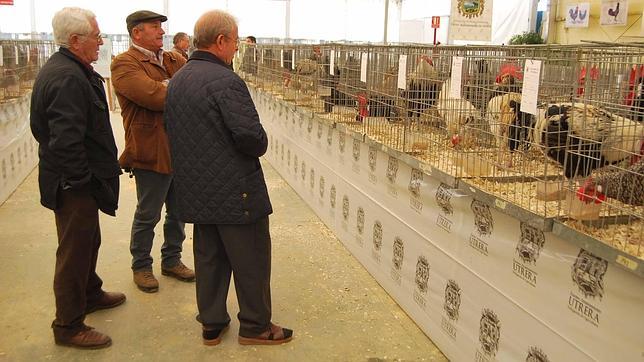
(244, 251)
(79, 238)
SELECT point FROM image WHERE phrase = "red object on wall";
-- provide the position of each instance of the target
(436, 21)
(6, 2)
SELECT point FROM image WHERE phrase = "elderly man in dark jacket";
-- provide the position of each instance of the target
(78, 172)
(216, 140)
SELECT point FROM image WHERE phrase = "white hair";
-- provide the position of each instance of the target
(68, 21)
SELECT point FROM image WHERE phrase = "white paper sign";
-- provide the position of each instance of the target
(402, 72)
(363, 68)
(28, 55)
(254, 54)
(613, 13)
(577, 15)
(457, 73)
(530, 90)
(293, 59)
(17, 55)
(1, 57)
(282, 58)
(262, 56)
(332, 62)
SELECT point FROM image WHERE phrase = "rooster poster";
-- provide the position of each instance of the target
(614, 13)
(577, 15)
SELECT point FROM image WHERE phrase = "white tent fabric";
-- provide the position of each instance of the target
(509, 17)
(353, 20)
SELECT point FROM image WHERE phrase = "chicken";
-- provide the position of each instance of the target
(342, 84)
(511, 128)
(499, 115)
(458, 114)
(615, 12)
(573, 14)
(506, 79)
(422, 87)
(625, 185)
(583, 137)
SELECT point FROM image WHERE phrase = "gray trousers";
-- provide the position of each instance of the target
(244, 250)
(154, 189)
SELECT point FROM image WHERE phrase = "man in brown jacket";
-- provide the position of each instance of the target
(140, 76)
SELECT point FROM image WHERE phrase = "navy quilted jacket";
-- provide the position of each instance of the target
(215, 144)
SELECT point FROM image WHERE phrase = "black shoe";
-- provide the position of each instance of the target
(212, 337)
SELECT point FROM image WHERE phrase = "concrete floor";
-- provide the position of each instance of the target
(338, 311)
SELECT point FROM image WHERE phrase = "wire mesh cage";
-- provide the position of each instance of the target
(20, 61)
(566, 143)
(601, 148)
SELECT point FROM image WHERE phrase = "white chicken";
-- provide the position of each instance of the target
(457, 113)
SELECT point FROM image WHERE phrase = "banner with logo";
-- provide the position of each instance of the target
(483, 285)
(471, 20)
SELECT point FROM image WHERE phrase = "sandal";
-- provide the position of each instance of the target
(270, 337)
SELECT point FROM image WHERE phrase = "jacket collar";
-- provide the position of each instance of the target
(144, 58)
(209, 57)
(87, 69)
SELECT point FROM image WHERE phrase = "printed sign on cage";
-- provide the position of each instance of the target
(614, 13)
(577, 15)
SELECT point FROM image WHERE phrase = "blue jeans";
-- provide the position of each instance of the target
(152, 191)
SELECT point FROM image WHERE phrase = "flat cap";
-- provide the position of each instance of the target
(142, 16)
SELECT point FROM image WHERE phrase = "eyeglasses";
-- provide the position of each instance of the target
(97, 37)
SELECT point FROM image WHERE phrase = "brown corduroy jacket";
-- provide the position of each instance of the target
(141, 91)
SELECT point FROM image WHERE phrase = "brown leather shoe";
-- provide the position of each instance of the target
(86, 338)
(145, 280)
(106, 301)
(275, 335)
(180, 272)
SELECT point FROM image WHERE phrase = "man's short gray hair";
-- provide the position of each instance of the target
(68, 21)
(212, 24)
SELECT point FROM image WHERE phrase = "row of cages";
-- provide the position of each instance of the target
(20, 61)
(578, 159)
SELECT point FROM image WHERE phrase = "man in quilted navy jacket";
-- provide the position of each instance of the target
(216, 140)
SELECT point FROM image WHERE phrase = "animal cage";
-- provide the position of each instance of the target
(577, 159)
(343, 102)
(603, 149)
(380, 105)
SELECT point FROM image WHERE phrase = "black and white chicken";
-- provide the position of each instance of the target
(582, 138)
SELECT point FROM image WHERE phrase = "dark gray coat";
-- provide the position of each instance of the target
(71, 122)
(215, 144)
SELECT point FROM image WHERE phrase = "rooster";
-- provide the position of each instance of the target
(582, 137)
(615, 12)
(573, 14)
(506, 79)
(422, 87)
